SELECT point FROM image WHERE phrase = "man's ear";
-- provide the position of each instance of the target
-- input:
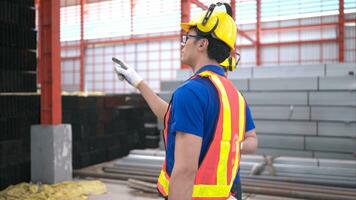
(204, 44)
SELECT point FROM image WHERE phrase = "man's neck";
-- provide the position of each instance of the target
(203, 63)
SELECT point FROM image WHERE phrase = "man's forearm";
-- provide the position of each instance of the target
(158, 105)
(249, 145)
(181, 185)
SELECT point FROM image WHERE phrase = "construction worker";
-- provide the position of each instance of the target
(236, 189)
(207, 123)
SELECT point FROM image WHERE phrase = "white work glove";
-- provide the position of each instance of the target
(124, 71)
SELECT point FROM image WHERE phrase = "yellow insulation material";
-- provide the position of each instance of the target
(72, 190)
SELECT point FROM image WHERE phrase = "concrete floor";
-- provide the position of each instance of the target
(119, 190)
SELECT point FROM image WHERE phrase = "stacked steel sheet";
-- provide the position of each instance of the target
(17, 75)
(108, 127)
(17, 46)
(18, 113)
(103, 128)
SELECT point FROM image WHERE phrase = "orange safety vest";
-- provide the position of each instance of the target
(218, 169)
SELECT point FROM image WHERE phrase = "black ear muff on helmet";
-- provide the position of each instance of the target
(209, 22)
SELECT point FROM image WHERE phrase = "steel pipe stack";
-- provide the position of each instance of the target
(308, 178)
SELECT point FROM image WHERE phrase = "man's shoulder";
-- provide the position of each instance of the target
(198, 85)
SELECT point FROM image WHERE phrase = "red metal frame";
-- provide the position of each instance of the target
(233, 8)
(341, 35)
(300, 42)
(254, 37)
(258, 33)
(82, 46)
(185, 17)
(95, 73)
(132, 40)
(49, 62)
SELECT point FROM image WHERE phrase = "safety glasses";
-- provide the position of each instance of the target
(187, 36)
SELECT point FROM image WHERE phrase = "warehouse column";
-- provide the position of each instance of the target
(341, 35)
(185, 17)
(51, 142)
(258, 32)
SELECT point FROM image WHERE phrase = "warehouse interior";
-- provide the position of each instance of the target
(70, 126)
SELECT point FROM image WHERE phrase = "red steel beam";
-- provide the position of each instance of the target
(199, 4)
(70, 58)
(350, 20)
(51, 103)
(300, 27)
(341, 35)
(132, 10)
(290, 43)
(185, 17)
(258, 33)
(82, 46)
(233, 8)
(233, 12)
(132, 40)
(244, 34)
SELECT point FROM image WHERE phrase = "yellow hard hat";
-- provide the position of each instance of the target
(218, 23)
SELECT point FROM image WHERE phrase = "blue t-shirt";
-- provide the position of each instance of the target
(194, 110)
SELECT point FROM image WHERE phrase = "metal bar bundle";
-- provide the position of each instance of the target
(295, 177)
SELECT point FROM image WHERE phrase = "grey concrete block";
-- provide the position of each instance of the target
(337, 129)
(347, 98)
(284, 152)
(337, 83)
(314, 170)
(281, 142)
(344, 114)
(285, 127)
(280, 112)
(241, 85)
(51, 153)
(333, 155)
(285, 160)
(351, 164)
(166, 96)
(184, 74)
(330, 144)
(276, 98)
(283, 84)
(317, 70)
(161, 142)
(160, 125)
(296, 161)
(241, 73)
(170, 85)
(337, 69)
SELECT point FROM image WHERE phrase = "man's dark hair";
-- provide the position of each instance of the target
(217, 50)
